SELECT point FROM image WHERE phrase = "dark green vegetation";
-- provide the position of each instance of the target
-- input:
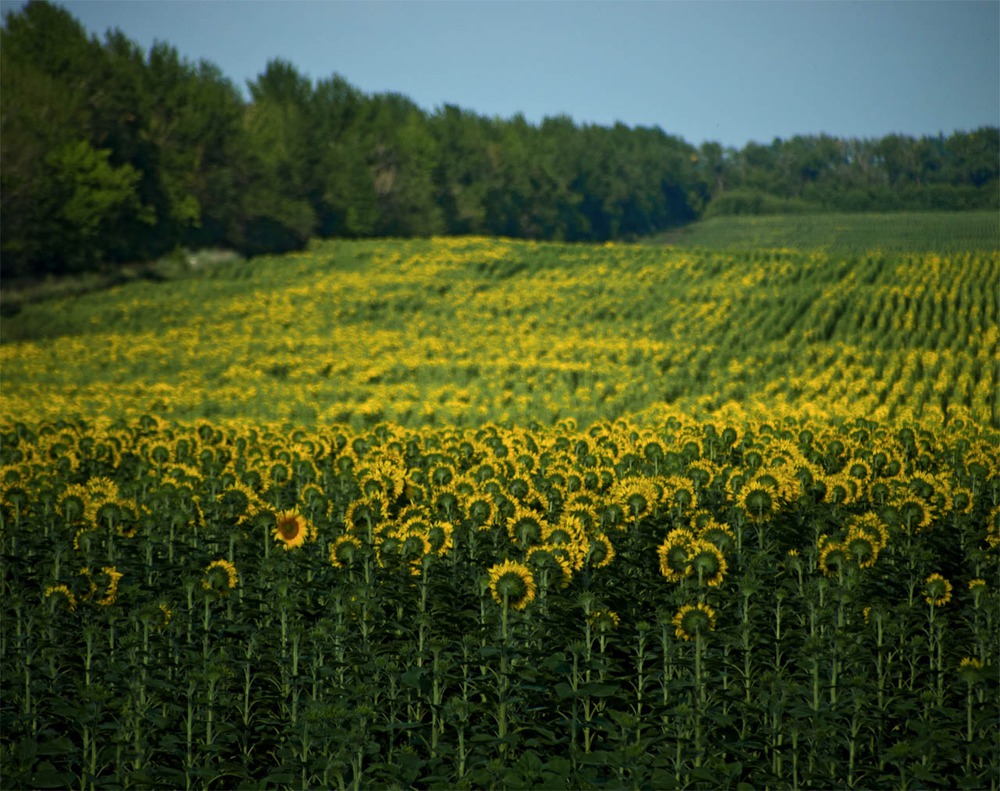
(781, 605)
(845, 234)
(113, 155)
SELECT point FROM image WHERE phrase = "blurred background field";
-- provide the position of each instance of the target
(804, 315)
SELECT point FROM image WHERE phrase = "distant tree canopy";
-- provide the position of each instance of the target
(109, 154)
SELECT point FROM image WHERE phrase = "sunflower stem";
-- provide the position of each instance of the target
(699, 697)
(502, 704)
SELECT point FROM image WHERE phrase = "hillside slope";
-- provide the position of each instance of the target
(465, 330)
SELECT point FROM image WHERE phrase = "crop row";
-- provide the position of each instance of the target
(469, 331)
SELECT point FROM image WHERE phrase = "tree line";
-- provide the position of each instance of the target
(111, 154)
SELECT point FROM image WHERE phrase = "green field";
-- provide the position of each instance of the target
(848, 234)
(464, 331)
(476, 512)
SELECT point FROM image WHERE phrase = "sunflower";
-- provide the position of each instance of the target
(446, 501)
(239, 501)
(167, 614)
(680, 493)
(91, 585)
(363, 515)
(292, 530)
(914, 514)
(937, 590)
(859, 470)
(111, 592)
(64, 590)
(636, 496)
(978, 588)
(719, 534)
(570, 530)
(414, 546)
(481, 509)
(525, 526)
(707, 561)
(832, 556)
(841, 489)
(312, 495)
(442, 537)
(700, 473)
(962, 500)
(601, 551)
(72, 503)
(513, 582)
(970, 670)
(862, 548)
(279, 472)
(872, 526)
(343, 550)
(692, 620)
(605, 620)
(757, 501)
(993, 528)
(220, 576)
(675, 554)
(546, 556)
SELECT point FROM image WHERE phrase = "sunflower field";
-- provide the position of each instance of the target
(470, 513)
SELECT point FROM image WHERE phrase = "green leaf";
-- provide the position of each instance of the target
(58, 746)
(564, 690)
(47, 776)
(597, 689)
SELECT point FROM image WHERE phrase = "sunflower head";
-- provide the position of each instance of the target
(757, 501)
(707, 562)
(870, 525)
(692, 620)
(833, 557)
(548, 557)
(861, 548)
(601, 551)
(414, 545)
(73, 503)
(362, 515)
(718, 534)
(442, 537)
(220, 577)
(675, 555)
(166, 616)
(343, 551)
(292, 530)
(107, 581)
(604, 621)
(64, 593)
(993, 528)
(937, 590)
(481, 510)
(970, 669)
(915, 515)
(525, 527)
(512, 583)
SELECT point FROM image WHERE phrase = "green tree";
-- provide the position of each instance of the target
(276, 206)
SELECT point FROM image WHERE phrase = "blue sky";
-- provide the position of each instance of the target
(702, 69)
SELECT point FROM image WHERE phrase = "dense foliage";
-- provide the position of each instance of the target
(701, 605)
(112, 154)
